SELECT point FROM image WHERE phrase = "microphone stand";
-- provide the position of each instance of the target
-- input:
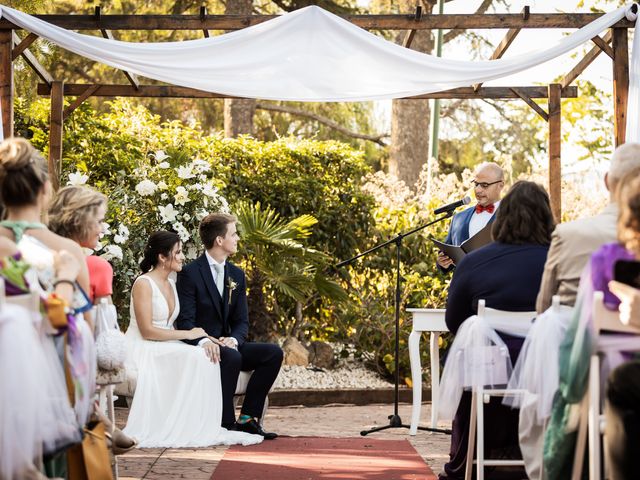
(394, 420)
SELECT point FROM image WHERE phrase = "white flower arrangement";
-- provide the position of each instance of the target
(146, 188)
(160, 156)
(167, 213)
(182, 196)
(77, 178)
(185, 172)
(181, 231)
(123, 234)
(112, 252)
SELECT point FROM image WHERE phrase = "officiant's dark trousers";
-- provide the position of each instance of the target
(265, 360)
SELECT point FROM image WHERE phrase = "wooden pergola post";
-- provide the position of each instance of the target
(555, 143)
(6, 82)
(620, 48)
(55, 132)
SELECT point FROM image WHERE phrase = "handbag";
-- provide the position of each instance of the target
(89, 460)
(111, 344)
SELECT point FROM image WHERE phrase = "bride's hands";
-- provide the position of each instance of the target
(196, 333)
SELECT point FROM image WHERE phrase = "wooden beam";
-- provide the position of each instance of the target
(33, 62)
(408, 38)
(24, 44)
(372, 22)
(203, 17)
(132, 77)
(620, 83)
(528, 100)
(55, 133)
(555, 143)
(504, 44)
(172, 91)
(6, 82)
(584, 63)
(90, 90)
(604, 46)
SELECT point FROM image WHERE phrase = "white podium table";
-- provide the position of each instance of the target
(425, 320)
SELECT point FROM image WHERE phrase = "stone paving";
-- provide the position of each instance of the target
(327, 421)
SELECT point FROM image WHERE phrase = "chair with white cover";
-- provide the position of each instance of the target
(611, 337)
(492, 376)
(536, 373)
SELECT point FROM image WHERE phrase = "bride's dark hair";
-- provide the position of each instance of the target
(159, 243)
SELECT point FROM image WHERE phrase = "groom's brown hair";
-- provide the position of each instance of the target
(213, 226)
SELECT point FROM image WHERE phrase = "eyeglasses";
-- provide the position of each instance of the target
(484, 185)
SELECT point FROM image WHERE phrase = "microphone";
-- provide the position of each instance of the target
(452, 206)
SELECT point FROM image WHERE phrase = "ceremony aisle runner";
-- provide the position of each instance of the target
(315, 458)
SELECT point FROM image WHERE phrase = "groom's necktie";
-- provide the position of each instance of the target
(219, 277)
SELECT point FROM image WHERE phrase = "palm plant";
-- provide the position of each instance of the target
(279, 265)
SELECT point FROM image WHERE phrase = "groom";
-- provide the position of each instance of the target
(213, 296)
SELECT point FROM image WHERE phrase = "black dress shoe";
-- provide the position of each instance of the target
(254, 428)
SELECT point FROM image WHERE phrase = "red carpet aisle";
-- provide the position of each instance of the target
(318, 458)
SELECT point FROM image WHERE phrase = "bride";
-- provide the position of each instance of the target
(178, 398)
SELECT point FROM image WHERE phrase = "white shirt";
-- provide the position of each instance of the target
(212, 261)
(479, 220)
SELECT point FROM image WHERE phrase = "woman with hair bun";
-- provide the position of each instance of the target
(178, 397)
(25, 192)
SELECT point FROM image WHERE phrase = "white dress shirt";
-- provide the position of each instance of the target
(479, 220)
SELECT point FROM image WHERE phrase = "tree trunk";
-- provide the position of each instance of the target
(238, 113)
(410, 118)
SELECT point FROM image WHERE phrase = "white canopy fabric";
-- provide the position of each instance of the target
(307, 55)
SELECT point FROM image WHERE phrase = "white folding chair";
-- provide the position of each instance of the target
(607, 329)
(513, 323)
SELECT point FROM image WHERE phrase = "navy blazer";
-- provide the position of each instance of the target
(201, 305)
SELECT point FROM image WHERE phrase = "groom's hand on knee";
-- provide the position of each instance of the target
(212, 351)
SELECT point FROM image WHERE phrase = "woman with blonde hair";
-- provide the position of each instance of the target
(78, 213)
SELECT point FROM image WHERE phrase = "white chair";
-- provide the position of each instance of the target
(607, 329)
(512, 323)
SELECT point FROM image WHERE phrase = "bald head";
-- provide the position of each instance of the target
(492, 169)
(625, 158)
(488, 181)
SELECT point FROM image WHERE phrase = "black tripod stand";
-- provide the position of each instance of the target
(394, 420)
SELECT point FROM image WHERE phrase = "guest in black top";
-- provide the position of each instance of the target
(507, 274)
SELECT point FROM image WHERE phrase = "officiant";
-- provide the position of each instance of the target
(488, 183)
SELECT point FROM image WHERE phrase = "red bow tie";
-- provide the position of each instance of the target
(488, 208)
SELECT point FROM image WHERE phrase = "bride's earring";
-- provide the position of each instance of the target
(164, 267)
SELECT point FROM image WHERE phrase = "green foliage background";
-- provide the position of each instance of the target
(293, 177)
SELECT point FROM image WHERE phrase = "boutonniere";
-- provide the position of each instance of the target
(232, 285)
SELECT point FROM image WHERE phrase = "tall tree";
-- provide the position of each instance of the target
(238, 112)
(410, 118)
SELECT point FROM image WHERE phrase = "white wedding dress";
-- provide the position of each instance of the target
(178, 397)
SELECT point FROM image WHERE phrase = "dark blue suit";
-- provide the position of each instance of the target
(459, 230)
(459, 227)
(202, 306)
(507, 277)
